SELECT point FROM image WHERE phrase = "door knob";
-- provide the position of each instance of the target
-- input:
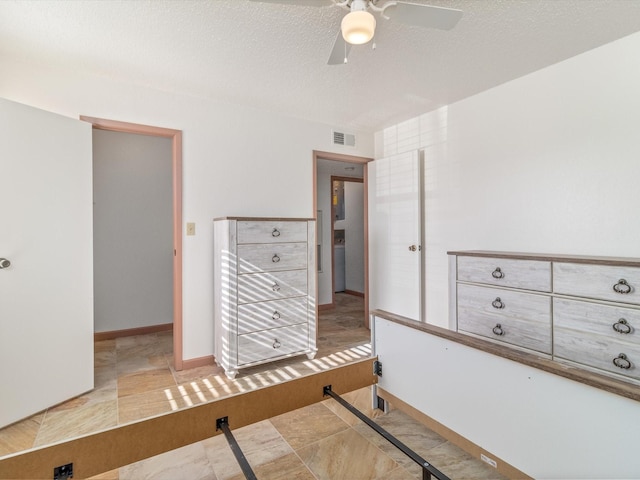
(4, 263)
(413, 248)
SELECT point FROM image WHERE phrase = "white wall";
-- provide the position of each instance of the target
(237, 161)
(546, 163)
(132, 230)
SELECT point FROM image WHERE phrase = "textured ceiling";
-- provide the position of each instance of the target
(274, 56)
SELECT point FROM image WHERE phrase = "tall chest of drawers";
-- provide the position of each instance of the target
(582, 311)
(264, 290)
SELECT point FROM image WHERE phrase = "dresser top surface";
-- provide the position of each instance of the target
(594, 260)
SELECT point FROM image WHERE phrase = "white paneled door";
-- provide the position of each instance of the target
(46, 293)
(395, 233)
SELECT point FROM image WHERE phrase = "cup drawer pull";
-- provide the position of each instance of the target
(275, 258)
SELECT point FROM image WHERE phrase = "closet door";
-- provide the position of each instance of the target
(46, 293)
(395, 235)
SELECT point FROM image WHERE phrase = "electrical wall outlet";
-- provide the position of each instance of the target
(191, 228)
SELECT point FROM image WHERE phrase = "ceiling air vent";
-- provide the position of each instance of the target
(341, 138)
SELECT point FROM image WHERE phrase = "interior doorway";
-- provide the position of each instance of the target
(325, 165)
(347, 235)
(175, 137)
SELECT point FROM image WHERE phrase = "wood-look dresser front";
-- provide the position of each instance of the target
(264, 276)
(583, 311)
(517, 318)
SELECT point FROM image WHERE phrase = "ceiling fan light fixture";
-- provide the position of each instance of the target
(358, 27)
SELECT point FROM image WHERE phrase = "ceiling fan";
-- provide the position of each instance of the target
(358, 26)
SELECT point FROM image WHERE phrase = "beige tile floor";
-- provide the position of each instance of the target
(320, 442)
(135, 379)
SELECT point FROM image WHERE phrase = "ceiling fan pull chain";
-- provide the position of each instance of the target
(345, 52)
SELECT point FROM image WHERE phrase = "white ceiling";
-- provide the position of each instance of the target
(273, 56)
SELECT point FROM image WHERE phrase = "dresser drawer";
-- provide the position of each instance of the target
(257, 287)
(505, 303)
(519, 333)
(253, 317)
(517, 318)
(271, 257)
(603, 282)
(595, 351)
(260, 346)
(607, 321)
(271, 231)
(594, 335)
(504, 272)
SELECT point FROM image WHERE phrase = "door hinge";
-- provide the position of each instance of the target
(377, 368)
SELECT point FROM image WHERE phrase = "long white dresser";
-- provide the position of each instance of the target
(264, 282)
(581, 311)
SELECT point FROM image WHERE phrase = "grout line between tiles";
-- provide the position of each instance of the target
(295, 452)
(44, 416)
(349, 427)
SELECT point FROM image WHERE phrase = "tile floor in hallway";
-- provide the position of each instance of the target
(135, 379)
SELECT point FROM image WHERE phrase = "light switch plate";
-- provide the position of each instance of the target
(191, 228)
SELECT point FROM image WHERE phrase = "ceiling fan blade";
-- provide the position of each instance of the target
(428, 16)
(308, 3)
(338, 52)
